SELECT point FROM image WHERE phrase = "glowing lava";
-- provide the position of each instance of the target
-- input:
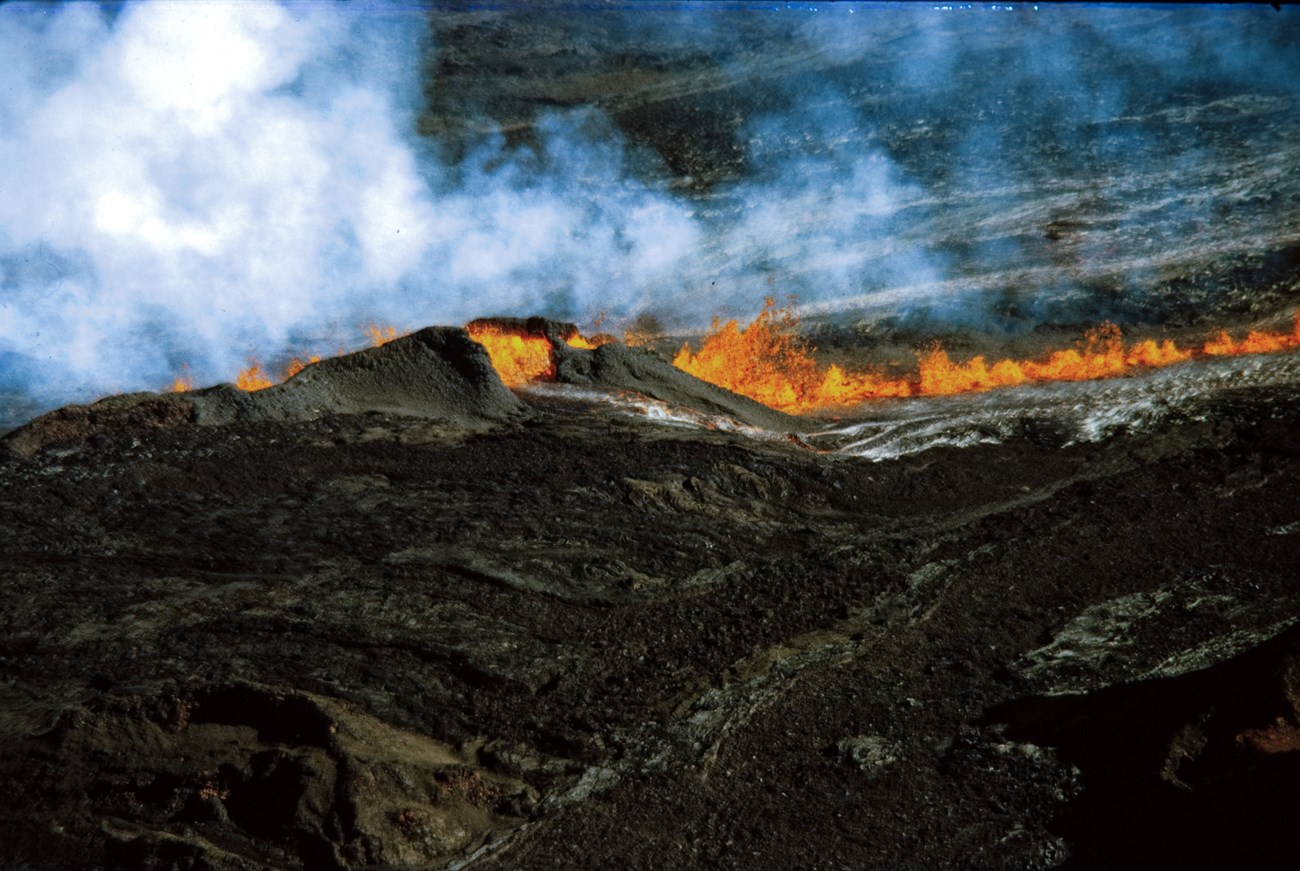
(295, 366)
(521, 356)
(1255, 342)
(1104, 355)
(518, 357)
(257, 378)
(381, 335)
(181, 384)
(253, 378)
(767, 361)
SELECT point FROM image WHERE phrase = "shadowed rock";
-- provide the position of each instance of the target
(355, 644)
(77, 424)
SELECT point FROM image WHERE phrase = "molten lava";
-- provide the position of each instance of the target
(295, 366)
(253, 378)
(518, 357)
(1255, 342)
(521, 356)
(1103, 355)
(767, 361)
(380, 336)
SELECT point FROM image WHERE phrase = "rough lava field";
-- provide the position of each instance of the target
(464, 627)
(391, 613)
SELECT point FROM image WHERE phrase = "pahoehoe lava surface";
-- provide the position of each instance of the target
(535, 631)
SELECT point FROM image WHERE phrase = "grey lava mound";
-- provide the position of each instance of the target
(619, 367)
(437, 372)
(616, 367)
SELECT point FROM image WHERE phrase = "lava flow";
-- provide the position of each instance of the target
(767, 361)
(770, 362)
(518, 357)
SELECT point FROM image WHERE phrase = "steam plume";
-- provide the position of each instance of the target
(187, 182)
(192, 183)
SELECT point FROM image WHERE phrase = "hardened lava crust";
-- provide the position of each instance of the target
(391, 614)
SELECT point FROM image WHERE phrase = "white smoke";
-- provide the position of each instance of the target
(194, 182)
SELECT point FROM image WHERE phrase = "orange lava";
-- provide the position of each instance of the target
(577, 340)
(380, 336)
(1103, 355)
(518, 358)
(256, 378)
(768, 361)
(295, 366)
(253, 378)
(1255, 342)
